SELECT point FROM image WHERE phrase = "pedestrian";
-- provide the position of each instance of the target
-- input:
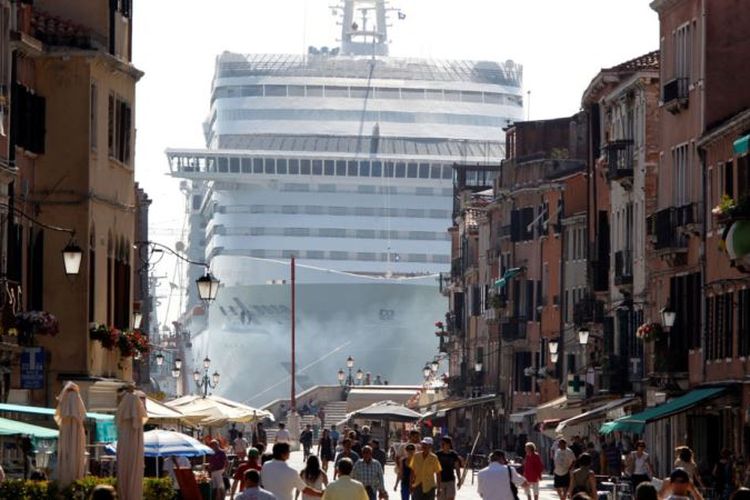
(450, 463)
(217, 464)
(259, 436)
(369, 472)
(313, 476)
(724, 480)
(499, 481)
(646, 491)
(326, 449)
(532, 470)
(306, 440)
(282, 435)
(252, 462)
(680, 487)
(345, 488)
(685, 460)
(334, 437)
(638, 465)
(378, 453)
(595, 457)
(404, 472)
(576, 446)
(612, 459)
(280, 479)
(240, 445)
(356, 444)
(364, 437)
(346, 452)
(583, 479)
(426, 469)
(172, 463)
(252, 490)
(563, 461)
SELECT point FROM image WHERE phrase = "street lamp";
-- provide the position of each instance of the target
(553, 357)
(72, 255)
(667, 317)
(341, 376)
(434, 366)
(478, 366)
(178, 363)
(426, 371)
(360, 375)
(160, 359)
(175, 372)
(208, 287)
(205, 382)
(137, 320)
(553, 346)
(583, 336)
(350, 362)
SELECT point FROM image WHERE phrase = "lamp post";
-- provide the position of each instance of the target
(668, 317)
(205, 382)
(583, 340)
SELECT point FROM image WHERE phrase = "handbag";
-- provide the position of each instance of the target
(513, 487)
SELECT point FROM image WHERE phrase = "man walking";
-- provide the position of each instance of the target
(494, 481)
(369, 472)
(280, 479)
(306, 440)
(378, 453)
(282, 435)
(334, 437)
(450, 463)
(259, 436)
(345, 488)
(426, 472)
(347, 452)
(563, 462)
(252, 490)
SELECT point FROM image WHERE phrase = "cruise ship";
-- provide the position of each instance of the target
(343, 158)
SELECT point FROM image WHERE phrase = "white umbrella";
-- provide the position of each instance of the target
(131, 415)
(71, 446)
(161, 443)
(216, 411)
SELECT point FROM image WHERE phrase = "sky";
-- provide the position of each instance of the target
(562, 44)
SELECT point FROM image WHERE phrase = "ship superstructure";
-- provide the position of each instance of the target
(344, 159)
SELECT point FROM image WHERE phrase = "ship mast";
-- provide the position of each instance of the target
(364, 27)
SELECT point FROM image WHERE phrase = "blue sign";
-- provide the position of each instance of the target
(32, 368)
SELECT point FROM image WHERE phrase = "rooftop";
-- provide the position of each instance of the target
(648, 61)
(326, 65)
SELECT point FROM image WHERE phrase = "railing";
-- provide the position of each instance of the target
(513, 329)
(623, 267)
(664, 228)
(620, 159)
(675, 94)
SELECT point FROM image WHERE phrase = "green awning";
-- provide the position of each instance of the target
(742, 145)
(14, 428)
(510, 273)
(106, 431)
(637, 422)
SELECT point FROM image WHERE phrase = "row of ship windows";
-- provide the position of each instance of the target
(326, 232)
(338, 255)
(365, 92)
(357, 116)
(415, 213)
(284, 166)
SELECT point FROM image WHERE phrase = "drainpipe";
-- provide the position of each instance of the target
(702, 252)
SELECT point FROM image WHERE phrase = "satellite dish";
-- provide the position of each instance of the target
(179, 246)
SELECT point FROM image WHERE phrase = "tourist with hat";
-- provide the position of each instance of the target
(426, 472)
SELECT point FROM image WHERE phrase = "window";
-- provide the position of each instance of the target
(682, 51)
(340, 167)
(294, 167)
(337, 91)
(295, 90)
(728, 185)
(305, 167)
(412, 171)
(680, 175)
(275, 90)
(377, 169)
(93, 103)
(351, 169)
(28, 125)
(269, 166)
(314, 91)
(364, 169)
(329, 165)
(120, 129)
(281, 166)
(317, 167)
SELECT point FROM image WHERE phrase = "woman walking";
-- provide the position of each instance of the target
(582, 479)
(325, 449)
(532, 471)
(404, 472)
(313, 476)
(638, 465)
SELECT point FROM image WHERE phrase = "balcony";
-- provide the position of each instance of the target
(675, 95)
(588, 310)
(623, 268)
(668, 239)
(512, 329)
(620, 161)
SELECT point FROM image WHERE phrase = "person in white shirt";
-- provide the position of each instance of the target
(252, 489)
(564, 460)
(280, 479)
(282, 435)
(493, 482)
(240, 446)
(172, 463)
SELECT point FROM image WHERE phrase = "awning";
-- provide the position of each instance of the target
(598, 412)
(106, 431)
(385, 410)
(510, 273)
(520, 415)
(637, 423)
(14, 428)
(742, 145)
(532, 412)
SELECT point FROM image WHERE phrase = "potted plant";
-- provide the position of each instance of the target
(108, 336)
(650, 332)
(31, 323)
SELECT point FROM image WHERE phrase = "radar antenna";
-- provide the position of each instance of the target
(360, 34)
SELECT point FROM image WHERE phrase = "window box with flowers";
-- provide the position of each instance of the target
(28, 324)
(128, 342)
(650, 332)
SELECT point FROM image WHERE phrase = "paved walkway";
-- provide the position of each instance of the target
(467, 492)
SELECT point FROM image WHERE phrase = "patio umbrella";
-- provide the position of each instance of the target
(215, 411)
(71, 445)
(388, 411)
(131, 415)
(161, 443)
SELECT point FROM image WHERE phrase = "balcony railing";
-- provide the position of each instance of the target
(623, 267)
(513, 329)
(675, 94)
(665, 224)
(620, 159)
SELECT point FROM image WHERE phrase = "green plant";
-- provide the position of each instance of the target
(19, 489)
(157, 488)
(82, 488)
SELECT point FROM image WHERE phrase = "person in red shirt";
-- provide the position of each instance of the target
(532, 470)
(252, 462)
